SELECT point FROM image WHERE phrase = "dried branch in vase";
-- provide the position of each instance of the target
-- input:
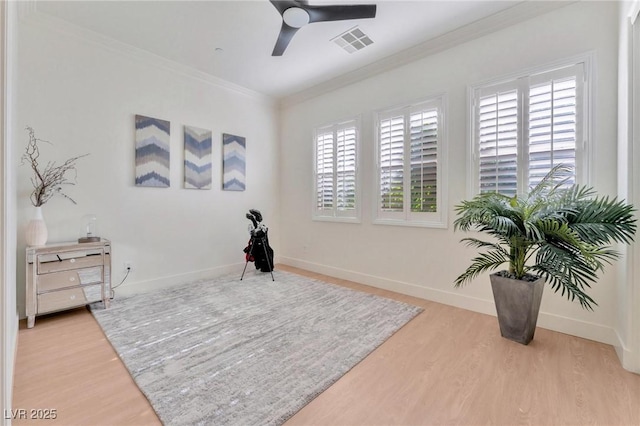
(48, 181)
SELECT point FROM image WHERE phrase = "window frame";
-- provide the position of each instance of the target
(439, 218)
(523, 81)
(334, 214)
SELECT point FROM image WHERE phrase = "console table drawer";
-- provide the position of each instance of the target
(65, 261)
(56, 280)
(66, 275)
(64, 299)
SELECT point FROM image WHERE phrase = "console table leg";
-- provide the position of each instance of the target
(31, 321)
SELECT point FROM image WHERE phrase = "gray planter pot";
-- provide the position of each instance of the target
(517, 303)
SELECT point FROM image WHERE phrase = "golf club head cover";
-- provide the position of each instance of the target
(256, 214)
(252, 219)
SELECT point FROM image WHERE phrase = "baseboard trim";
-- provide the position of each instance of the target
(546, 320)
(409, 289)
(625, 355)
(137, 287)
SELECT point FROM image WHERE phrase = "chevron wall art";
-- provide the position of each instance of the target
(152, 152)
(197, 158)
(233, 169)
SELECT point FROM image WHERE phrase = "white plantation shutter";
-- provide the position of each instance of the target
(525, 127)
(392, 164)
(324, 171)
(553, 129)
(336, 171)
(346, 169)
(409, 157)
(497, 136)
(424, 160)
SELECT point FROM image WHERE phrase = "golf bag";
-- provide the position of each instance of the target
(258, 249)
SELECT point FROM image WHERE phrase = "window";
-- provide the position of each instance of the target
(410, 163)
(524, 127)
(336, 173)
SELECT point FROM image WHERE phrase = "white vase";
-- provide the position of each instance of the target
(37, 233)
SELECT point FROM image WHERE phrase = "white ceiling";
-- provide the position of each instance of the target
(233, 40)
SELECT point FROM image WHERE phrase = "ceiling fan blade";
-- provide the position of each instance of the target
(285, 36)
(340, 13)
(282, 5)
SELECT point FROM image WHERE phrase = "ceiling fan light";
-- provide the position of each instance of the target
(295, 17)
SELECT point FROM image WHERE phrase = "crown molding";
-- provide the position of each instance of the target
(520, 12)
(51, 23)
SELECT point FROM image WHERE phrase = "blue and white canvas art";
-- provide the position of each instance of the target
(197, 158)
(152, 152)
(233, 170)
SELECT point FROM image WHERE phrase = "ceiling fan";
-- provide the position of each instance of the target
(298, 13)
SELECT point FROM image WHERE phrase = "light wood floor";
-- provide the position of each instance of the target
(446, 366)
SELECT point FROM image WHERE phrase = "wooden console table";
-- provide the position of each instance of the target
(67, 275)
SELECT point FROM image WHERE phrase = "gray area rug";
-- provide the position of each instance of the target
(251, 352)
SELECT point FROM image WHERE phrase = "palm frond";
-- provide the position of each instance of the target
(474, 242)
(479, 210)
(601, 221)
(501, 225)
(552, 181)
(483, 262)
(567, 265)
(557, 282)
(559, 233)
(533, 232)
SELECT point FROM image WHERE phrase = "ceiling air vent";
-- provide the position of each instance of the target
(352, 40)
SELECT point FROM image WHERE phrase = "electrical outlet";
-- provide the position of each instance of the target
(128, 266)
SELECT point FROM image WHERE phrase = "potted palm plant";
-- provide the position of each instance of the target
(557, 233)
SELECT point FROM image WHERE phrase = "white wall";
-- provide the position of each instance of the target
(424, 262)
(628, 285)
(81, 92)
(8, 311)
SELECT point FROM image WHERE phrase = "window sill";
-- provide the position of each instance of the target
(411, 223)
(336, 219)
